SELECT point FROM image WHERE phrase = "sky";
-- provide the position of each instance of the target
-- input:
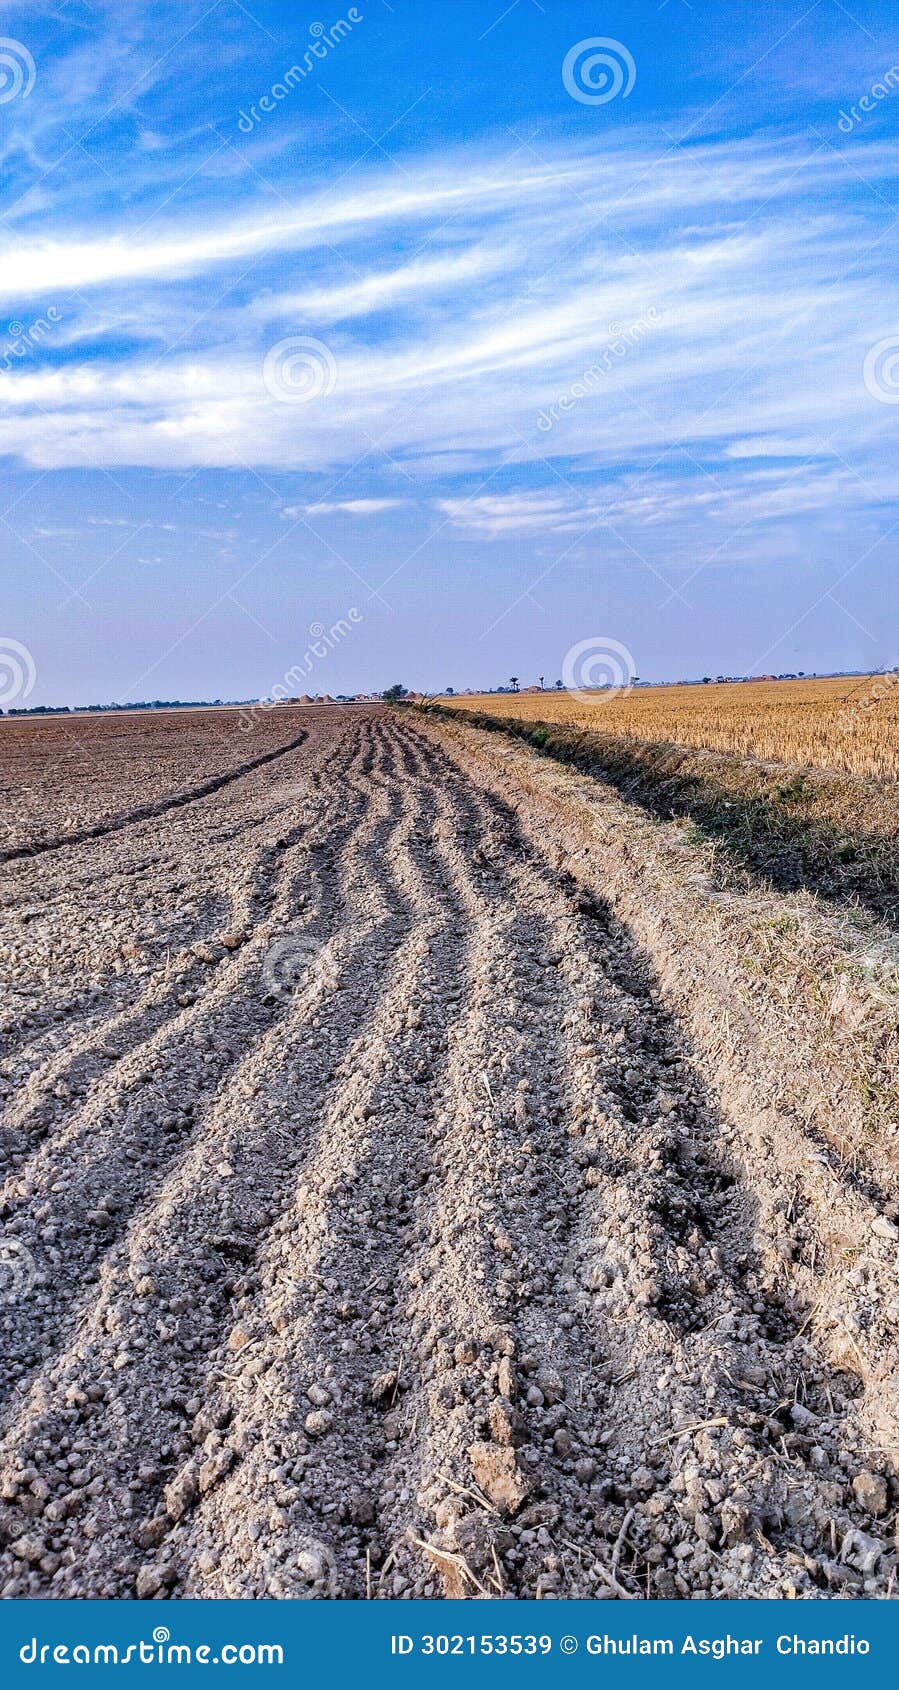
(512, 329)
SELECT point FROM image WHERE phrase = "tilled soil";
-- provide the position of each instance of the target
(74, 774)
(369, 1229)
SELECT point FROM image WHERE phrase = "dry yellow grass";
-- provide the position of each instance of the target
(848, 723)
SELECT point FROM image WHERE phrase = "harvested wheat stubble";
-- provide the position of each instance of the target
(845, 722)
(836, 834)
(440, 1269)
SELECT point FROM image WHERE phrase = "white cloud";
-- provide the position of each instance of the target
(381, 289)
(349, 507)
(41, 267)
(758, 331)
(494, 516)
(775, 446)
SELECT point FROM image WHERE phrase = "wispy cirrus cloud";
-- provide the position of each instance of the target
(453, 341)
(433, 320)
(343, 507)
(383, 290)
(168, 250)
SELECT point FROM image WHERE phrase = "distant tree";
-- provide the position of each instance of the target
(394, 694)
(513, 682)
(449, 692)
(558, 686)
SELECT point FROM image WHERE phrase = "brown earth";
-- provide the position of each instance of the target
(421, 1179)
(65, 774)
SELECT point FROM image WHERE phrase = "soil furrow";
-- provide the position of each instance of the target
(410, 1245)
(203, 1225)
(108, 1154)
(315, 1425)
(146, 812)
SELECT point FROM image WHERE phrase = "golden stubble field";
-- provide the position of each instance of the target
(849, 723)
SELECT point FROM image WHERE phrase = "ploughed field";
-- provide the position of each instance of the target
(396, 1205)
(61, 775)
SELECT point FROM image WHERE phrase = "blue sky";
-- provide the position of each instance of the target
(504, 341)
